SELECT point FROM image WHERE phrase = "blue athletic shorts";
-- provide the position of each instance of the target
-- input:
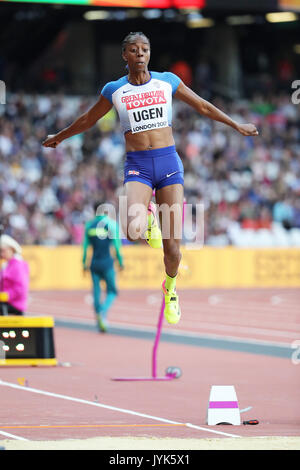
(156, 167)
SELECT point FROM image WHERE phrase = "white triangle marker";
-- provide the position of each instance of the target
(223, 406)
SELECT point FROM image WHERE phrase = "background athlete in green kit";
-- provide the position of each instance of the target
(101, 233)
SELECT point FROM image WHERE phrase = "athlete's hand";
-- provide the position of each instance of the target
(247, 129)
(85, 270)
(51, 141)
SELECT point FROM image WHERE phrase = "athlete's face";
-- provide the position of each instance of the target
(137, 54)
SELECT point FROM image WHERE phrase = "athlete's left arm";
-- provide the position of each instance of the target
(207, 109)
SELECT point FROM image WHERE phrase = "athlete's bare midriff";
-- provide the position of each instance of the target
(154, 139)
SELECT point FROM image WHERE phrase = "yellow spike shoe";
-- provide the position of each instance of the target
(102, 324)
(172, 311)
(153, 233)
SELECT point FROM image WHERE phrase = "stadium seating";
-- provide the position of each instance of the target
(248, 186)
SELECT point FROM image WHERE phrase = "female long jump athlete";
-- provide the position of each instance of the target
(143, 100)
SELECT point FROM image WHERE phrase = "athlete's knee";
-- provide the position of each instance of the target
(112, 290)
(136, 227)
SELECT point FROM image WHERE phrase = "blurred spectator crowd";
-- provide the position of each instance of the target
(249, 187)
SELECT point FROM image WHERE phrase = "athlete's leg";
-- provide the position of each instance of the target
(96, 291)
(134, 214)
(170, 200)
(111, 291)
(153, 233)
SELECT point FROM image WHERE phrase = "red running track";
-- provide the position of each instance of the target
(260, 314)
(78, 399)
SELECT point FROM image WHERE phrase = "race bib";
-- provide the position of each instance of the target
(147, 111)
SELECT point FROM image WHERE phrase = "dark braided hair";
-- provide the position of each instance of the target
(129, 38)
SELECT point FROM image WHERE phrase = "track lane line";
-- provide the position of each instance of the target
(109, 407)
(18, 438)
(183, 331)
(89, 426)
(177, 334)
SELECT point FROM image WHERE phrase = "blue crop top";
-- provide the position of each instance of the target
(143, 107)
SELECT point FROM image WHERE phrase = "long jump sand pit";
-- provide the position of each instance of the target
(146, 443)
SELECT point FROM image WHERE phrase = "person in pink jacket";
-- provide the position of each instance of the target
(14, 279)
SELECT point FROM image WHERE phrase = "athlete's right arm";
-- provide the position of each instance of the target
(85, 245)
(81, 124)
